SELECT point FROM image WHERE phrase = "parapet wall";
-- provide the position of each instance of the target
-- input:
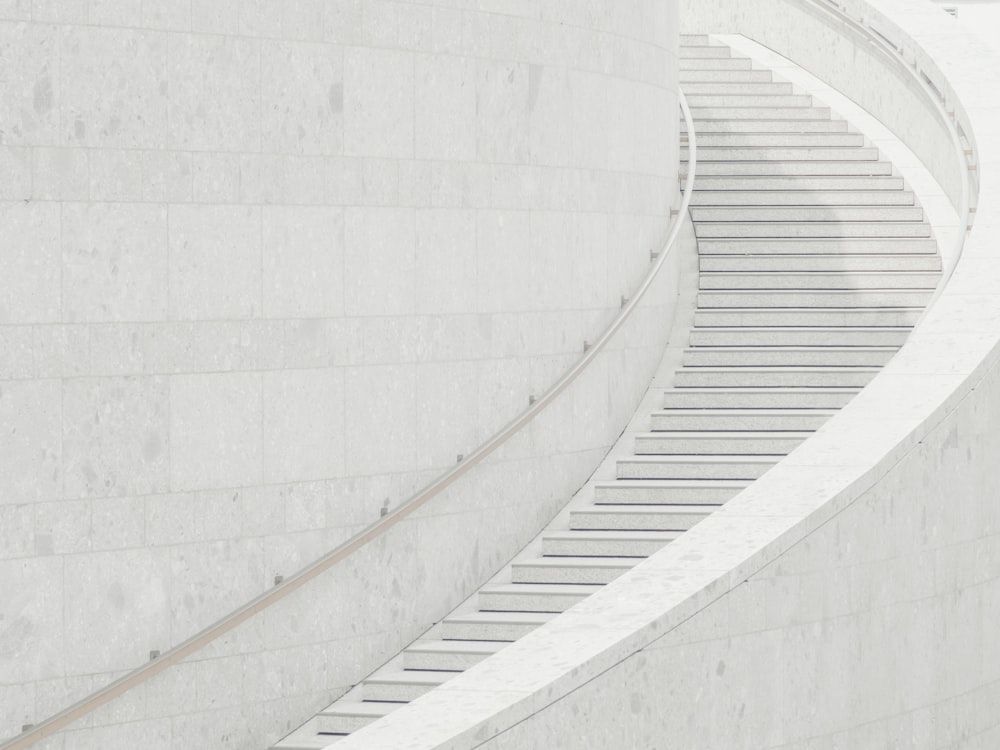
(845, 599)
(267, 268)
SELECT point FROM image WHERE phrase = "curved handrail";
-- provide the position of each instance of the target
(863, 25)
(179, 652)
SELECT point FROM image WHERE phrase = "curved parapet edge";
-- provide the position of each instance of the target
(845, 596)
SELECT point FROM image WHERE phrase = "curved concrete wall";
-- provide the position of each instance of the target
(845, 599)
(269, 265)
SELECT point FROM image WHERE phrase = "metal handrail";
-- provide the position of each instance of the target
(888, 47)
(178, 653)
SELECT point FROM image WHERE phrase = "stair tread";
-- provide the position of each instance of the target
(746, 412)
(455, 647)
(624, 536)
(674, 483)
(545, 589)
(716, 434)
(576, 561)
(665, 510)
(500, 617)
(697, 458)
(373, 709)
(410, 677)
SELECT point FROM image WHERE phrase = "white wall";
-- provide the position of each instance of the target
(267, 264)
(846, 599)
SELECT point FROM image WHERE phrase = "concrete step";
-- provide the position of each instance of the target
(741, 468)
(768, 102)
(345, 717)
(831, 198)
(534, 597)
(750, 420)
(448, 656)
(782, 141)
(715, 63)
(775, 377)
(697, 40)
(737, 88)
(403, 686)
(757, 398)
(491, 626)
(808, 318)
(305, 741)
(925, 262)
(818, 246)
(808, 168)
(782, 214)
(838, 337)
(725, 76)
(605, 543)
(571, 570)
(640, 518)
(798, 183)
(708, 154)
(666, 492)
(793, 126)
(700, 113)
(786, 280)
(789, 356)
(819, 229)
(703, 51)
(717, 443)
(815, 298)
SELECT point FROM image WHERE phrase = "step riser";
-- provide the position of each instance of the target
(680, 422)
(398, 693)
(787, 358)
(790, 169)
(484, 632)
(637, 522)
(730, 446)
(789, 127)
(844, 280)
(740, 89)
(855, 264)
(743, 470)
(806, 318)
(720, 399)
(735, 112)
(702, 378)
(817, 229)
(735, 214)
(341, 724)
(762, 102)
(793, 337)
(715, 63)
(783, 141)
(599, 548)
(725, 76)
(496, 602)
(445, 662)
(803, 184)
(830, 198)
(527, 573)
(605, 495)
(817, 246)
(688, 52)
(819, 298)
(708, 155)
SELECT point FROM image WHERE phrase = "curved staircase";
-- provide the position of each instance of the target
(814, 262)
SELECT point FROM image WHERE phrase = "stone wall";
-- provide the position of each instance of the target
(269, 265)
